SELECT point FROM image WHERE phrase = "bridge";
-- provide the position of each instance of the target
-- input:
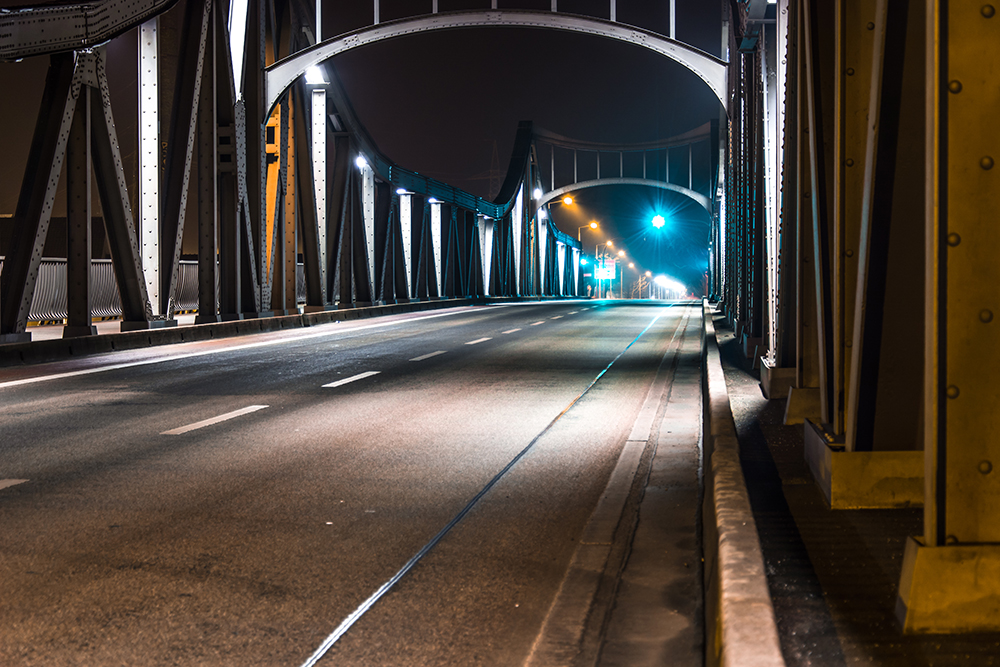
(273, 397)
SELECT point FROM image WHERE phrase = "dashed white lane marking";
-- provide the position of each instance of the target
(573, 312)
(535, 324)
(353, 378)
(479, 340)
(428, 356)
(214, 420)
(4, 483)
(557, 317)
(510, 331)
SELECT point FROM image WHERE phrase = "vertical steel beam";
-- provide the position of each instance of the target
(78, 232)
(517, 221)
(438, 268)
(406, 237)
(368, 209)
(149, 160)
(319, 171)
(290, 252)
(949, 578)
(486, 226)
(576, 272)
(561, 261)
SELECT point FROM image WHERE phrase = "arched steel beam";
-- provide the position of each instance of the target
(558, 193)
(709, 69)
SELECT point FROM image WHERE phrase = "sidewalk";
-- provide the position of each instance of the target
(832, 575)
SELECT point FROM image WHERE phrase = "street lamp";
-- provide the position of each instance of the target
(658, 221)
(592, 225)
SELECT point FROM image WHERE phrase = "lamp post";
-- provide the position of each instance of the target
(592, 225)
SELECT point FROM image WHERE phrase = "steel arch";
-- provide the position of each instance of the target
(558, 193)
(709, 69)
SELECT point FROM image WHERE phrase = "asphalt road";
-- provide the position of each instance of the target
(149, 532)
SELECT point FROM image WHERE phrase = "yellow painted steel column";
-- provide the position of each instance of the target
(951, 575)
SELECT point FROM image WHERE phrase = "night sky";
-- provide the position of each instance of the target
(438, 103)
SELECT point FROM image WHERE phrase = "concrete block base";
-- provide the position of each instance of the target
(863, 480)
(77, 332)
(15, 338)
(775, 382)
(803, 404)
(954, 588)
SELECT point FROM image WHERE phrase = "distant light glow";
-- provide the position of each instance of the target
(621, 253)
(542, 214)
(361, 162)
(631, 265)
(315, 76)
(593, 224)
(537, 193)
(433, 200)
(402, 191)
(670, 284)
(583, 262)
(659, 221)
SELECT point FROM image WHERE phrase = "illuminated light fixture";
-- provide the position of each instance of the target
(658, 221)
(631, 265)
(593, 224)
(583, 262)
(621, 253)
(542, 214)
(568, 201)
(361, 162)
(315, 76)
(649, 274)
(537, 193)
(611, 244)
(402, 191)
(432, 200)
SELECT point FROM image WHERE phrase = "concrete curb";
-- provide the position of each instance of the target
(16, 354)
(740, 627)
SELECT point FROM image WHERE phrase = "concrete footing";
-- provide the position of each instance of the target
(774, 381)
(803, 404)
(863, 480)
(953, 588)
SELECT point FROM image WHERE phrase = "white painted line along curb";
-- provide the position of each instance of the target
(510, 331)
(214, 420)
(478, 340)
(353, 378)
(428, 356)
(333, 331)
(4, 483)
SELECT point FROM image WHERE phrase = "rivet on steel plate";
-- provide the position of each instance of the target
(986, 315)
(988, 11)
(850, 71)
(954, 239)
(871, 26)
(849, 253)
(807, 195)
(986, 162)
(951, 540)
(849, 344)
(955, 86)
(850, 162)
(985, 467)
(951, 391)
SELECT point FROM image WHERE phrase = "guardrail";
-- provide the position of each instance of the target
(49, 301)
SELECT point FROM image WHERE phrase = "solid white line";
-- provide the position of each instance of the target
(214, 420)
(245, 346)
(359, 376)
(428, 356)
(4, 483)
(557, 317)
(509, 331)
(478, 340)
(535, 324)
